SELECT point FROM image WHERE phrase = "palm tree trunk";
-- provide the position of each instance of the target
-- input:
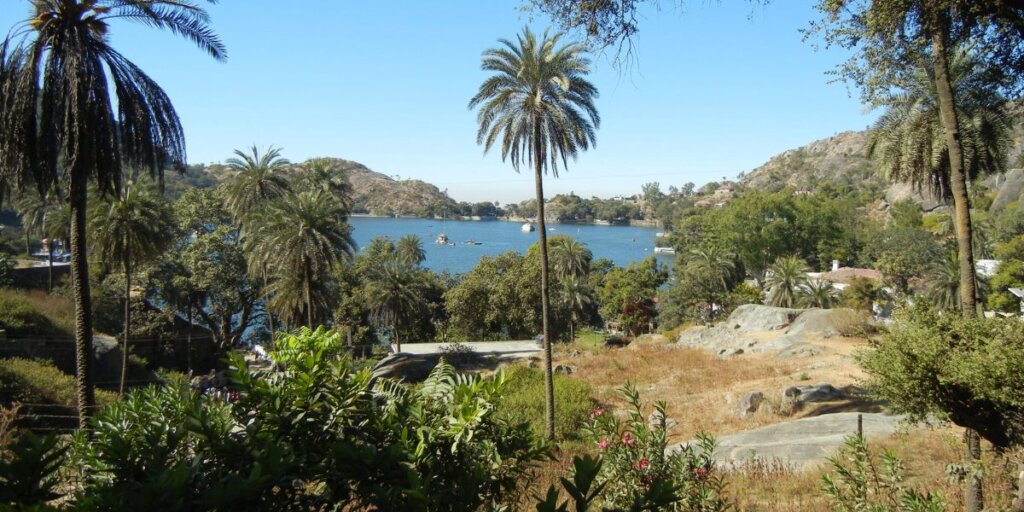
(974, 500)
(49, 285)
(309, 296)
(28, 241)
(398, 341)
(549, 385)
(83, 300)
(127, 321)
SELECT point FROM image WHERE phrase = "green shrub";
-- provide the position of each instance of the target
(858, 482)
(635, 472)
(523, 400)
(39, 382)
(19, 317)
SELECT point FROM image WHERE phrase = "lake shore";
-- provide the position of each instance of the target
(646, 223)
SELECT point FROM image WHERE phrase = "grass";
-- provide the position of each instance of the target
(589, 340)
(523, 400)
(35, 313)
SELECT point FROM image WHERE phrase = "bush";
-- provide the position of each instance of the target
(634, 471)
(858, 483)
(318, 436)
(524, 399)
(40, 382)
(19, 317)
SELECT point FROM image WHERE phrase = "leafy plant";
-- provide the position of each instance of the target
(859, 482)
(28, 471)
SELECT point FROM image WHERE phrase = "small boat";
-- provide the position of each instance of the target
(527, 228)
(442, 239)
(473, 242)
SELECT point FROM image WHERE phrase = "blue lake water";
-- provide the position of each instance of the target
(621, 244)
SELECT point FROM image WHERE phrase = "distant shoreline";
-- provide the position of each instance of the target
(630, 223)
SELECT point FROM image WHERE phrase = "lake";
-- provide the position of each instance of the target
(621, 244)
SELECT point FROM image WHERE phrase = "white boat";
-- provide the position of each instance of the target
(527, 228)
(442, 239)
(664, 250)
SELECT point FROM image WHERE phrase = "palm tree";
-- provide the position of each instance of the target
(395, 294)
(59, 123)
(942, 284)
(259, 179)
(922, 140)
(326, 174)
(409, 251)
(288, 297)
(300, 237)
(540, 106)
(788, 276)
(575, 296)
(718, 263)
(818, 293)
(569, 257)
(130, 229)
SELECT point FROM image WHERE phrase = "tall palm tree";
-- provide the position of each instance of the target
(259, 179)
(569, 257)
(539, 105)
(788, 277)
(912, 140)
(126, 230)
(718, 263)
(942, 284)
(300, 237)
(61, 81)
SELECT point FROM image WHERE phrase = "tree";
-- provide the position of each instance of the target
(818, 293)
(300, 237)
(890, 37)
(575, 297)
(258, 180)
(409, 251)
(59, 124)
(901, 254)
(396, 295)
(130, 229)
(786, 280)
(46, 215)
(942, 285)
(538, 101)
(627, 296)
(326, 174)
(569, 257)
(1009, 274)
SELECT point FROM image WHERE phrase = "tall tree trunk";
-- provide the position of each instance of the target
(549, 385)
(398, 341)
(28, 241)
(83, 301)
(49, 285)
(266, 306)
(127, 320)
(309, 296)
(962, 221)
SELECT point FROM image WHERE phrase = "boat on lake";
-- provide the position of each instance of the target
(473, 242)
(442, 239)
(528, 227)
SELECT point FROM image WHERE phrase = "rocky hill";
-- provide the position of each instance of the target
(841, 161)
(373, 192)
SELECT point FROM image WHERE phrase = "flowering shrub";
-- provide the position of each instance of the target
(633, 470)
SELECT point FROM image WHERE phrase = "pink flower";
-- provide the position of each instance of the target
(628, 440)
(643, 463)
(597, 412)
(700, 473)
(603, 444)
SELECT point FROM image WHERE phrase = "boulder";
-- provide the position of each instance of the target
(755, 317)
(751, 402)
(822, 392)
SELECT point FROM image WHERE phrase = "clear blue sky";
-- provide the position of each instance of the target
(718, 88)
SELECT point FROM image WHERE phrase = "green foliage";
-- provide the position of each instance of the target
(6, 270)
(319, 435)
(39, 382)
(965, 370)
(523, 401)
(786, 282)
(902, 253)
(322, 343)
(634, 471)
(499, 298)
(19, 317)
(818, 293)
(1009, 274)
(28, 471)
(906, 213)
(857, 483)
(627, 295)
(861, 294)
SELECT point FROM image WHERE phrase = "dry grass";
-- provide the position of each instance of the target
(702, 391)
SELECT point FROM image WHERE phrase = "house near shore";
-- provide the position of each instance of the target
(841, 277)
